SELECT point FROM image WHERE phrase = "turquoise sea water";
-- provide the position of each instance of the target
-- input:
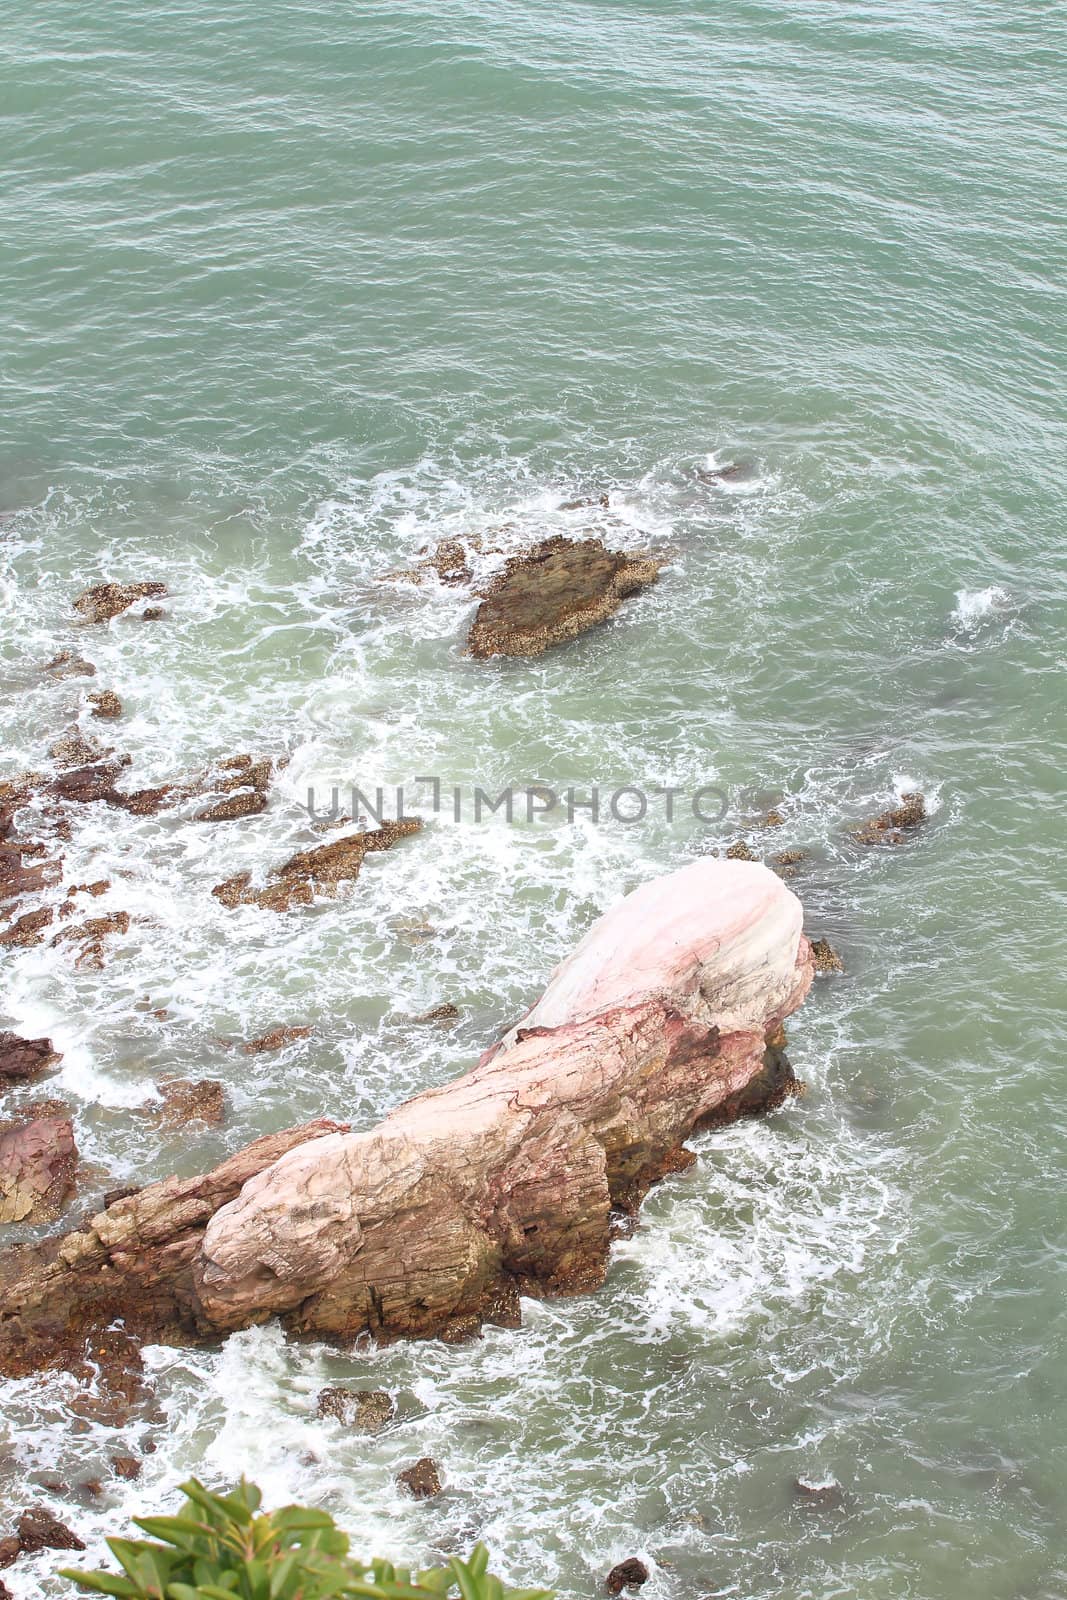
(290, 291)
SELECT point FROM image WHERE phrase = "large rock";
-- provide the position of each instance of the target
(666, 1018)
(553, 592)
(38, 1159)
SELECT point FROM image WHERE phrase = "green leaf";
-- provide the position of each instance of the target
(101, 1583)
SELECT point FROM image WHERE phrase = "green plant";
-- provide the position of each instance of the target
(222, 1548)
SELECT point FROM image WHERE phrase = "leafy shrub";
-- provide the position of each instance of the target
(222, 1548)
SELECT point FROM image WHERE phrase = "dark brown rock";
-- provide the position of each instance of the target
(893, 826)
(553, 592)
(38, 1160)
(107, 600)
(127, 1467)
(22, 1060)
(84, 785)
(819, 1497)
(629, 1574)
(588, 502)
(191, 1100)
(365, 1409)
(9, 1552)
(422, 1480)
(153, 614)
(38, 1529)
(275, 1039)
(311, 872)
(106, 704)
(740, 851)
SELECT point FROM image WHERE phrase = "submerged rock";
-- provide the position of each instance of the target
(311, 872)
(629, 1574)
(893, 826)
(106, 600)
(23, 1060)
(153, 614)
(67, 665)
(819, 1496)
(552, 593)
(422, 1480)
(190, 1100)
(85, 785)
(446, 1012)
(38, 1160)
(90, 935)
(127, 1467)
(276, 1039)
(366, 1409)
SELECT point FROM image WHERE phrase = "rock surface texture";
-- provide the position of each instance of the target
(667, 1017)
(553, 592)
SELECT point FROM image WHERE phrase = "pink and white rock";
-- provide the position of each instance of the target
(665, 1018)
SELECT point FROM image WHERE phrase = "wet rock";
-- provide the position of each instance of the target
(311, 872)
(134, 1262)
(732, 471)
(446, 1012)
(366, 1409)
(191, 1100)
(275, 1039)
(85, 785)
(826, 957)
(740, 851)
(153, 614)
(74, 749)
(23, 1060)
(67, 665)
(629, 1574)
(127, 1467)
(27, 930)
(147, 802)
(90, 936)
(39, 1529)
(96, 889)
(106, 704)
(789, 858)
(38, 1160)
(552, 593)
(106, 600)
(819, 1496)
(249, 803)
(422, 1480)
(893, 826)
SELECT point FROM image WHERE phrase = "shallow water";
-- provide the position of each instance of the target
(291, 293)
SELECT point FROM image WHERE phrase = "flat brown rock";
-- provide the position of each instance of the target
(90, 935)
(27, 930)
(191, 1100)
(553, 592)
(275, 1039)
(67, 665)
(106, 600)
(38, 1159)
(23, 1060)
(75, 749)
(311, 872)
